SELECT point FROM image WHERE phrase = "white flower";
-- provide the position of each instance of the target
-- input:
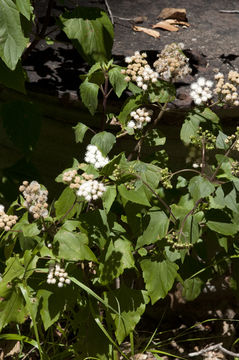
(131, 124)
(94, 156)
(1, 208)
(91, 189)
(201, 91)
(201, 81)
(128, 59)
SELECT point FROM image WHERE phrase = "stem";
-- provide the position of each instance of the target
(184, 170)
(203, 156)
(212, 178)
(187, 215)
(131, 337)
(105, 97)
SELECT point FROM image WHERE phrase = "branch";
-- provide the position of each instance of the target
(214, 347)
(109, 11)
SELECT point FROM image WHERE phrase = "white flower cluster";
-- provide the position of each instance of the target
(6, 221)
(91, 190)
(227, 91)
(69, 175)
(56, 273)
(35, 198)
(201, 91)
(139, 70)
(139, 118)
(94, 156)
(172, 64)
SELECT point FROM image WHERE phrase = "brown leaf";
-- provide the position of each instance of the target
(150, 32)
(177, 22)
(173, 13)
(165, 25)
(139, 19)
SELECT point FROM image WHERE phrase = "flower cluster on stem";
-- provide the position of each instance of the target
(57, 275)
(94, 156)
(201, 91)
(139, 118)
(6, 221)
(91, 190)
(172, 64)
(227, 91)
(139, 71)
(35, 199)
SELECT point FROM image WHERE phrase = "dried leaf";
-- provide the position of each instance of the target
(165, 25)
(177, 22)
(140, 19)
(173, 13)
(150, 32)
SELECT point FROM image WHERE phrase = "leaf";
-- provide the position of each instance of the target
(117, 80)
(117, 257)
(13, 79)
(157, 228)
(22, 126)
(30, 229)
(132, 103)
(25, 8)
(173, 13)
(131, 305)
(104, 141)
(91, 32)
(138, 196)
(89, 95)
(220, 142)
(192, 288)
(166, 26)
(223, 228)
(147, 31)
(217, 201)
(162, 91)
(73, 246)
(189, 129)
(65, 203)
(155, 138)
(12, 308)
(80, 130)
(200, 187)
(159, 277)
(231, 201)
(51, 307)
(181, 182)
(109, 197)
(12, 41)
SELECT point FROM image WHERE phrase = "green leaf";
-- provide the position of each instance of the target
(138, 196)
(30, 229)
(89, 95)
(109, 197)
(162, 91)
(104, 141)
(220, 142)
(157, 228)
(117, 257)
(208, 114)
(73, 246)
(22, 126)
(25, 8)
(117, 80)
(217, 201)
(159, 277)
(51, 306)
(14, 269)
(155, 138)
(131, 305)
(181, 182)
(231, 201)
(13, 79)
(80, 130)
(200, 187)
(12, 308)
(223, 228)
(12, 41)
(90, 31)
(65, 203)
(132, 103)
(192, 288)
(189, 129)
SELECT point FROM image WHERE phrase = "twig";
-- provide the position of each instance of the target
(229, 11)
(214, 347)
(109, 11)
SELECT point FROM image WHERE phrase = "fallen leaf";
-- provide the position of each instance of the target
(150, 32)
(165, 25)
(177, 22)
(173, 13)
(140, 19)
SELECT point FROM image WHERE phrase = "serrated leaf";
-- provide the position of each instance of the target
(12, 41)
(25, 8)
(109, 197)
(131, 305)
(13, 79)
(132, 103)
(51, 307)
(89, 95)
(117, 80)
(90, 31)
(189, 129)
(200, 187)
(217, 201)
(223, 228)
(65, 203)
(155, 138)
(157, 228)
(30, 229)
(159, 277)
(138, 196)
(104, 141)
(80, 130)
(73, 246)
(220, 142)
(162, 91)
